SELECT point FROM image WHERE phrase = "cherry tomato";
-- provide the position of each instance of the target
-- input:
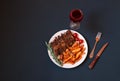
(77, 39)
(81, 41)
(75, 35)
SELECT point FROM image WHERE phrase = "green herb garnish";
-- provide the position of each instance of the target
(52, 54)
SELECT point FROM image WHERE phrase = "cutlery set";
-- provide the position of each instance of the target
(98, 36)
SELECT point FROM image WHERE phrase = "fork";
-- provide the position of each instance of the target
(98, 36)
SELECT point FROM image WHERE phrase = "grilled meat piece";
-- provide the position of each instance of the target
(62, 42)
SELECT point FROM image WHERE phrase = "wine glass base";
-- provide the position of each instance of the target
(74, 25)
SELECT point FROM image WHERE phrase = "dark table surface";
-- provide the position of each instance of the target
(27, 24)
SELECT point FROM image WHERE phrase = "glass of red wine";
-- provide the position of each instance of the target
(76, 16)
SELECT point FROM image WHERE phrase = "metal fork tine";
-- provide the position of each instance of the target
(99, 34)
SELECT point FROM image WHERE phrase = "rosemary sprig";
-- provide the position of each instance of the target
(52, 54)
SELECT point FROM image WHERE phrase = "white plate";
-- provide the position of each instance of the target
(69, 65)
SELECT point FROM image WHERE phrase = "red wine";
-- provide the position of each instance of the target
(76, 15)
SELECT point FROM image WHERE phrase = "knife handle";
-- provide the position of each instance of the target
(92, 64)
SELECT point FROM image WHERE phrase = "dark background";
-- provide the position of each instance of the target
(26, 24)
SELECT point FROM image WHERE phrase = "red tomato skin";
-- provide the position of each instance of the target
(75, 35)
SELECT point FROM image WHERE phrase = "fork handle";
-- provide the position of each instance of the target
(92, 52)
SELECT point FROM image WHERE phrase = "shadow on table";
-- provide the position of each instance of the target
(95, 21)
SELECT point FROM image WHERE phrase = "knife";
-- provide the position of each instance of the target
(98, 56)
